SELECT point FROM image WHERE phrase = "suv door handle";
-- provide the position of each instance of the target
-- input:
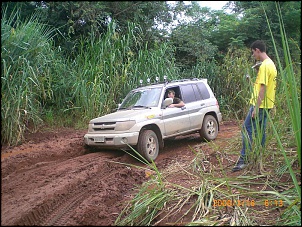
(183, 108)
(202, 104)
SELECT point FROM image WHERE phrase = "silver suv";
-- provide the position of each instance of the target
(143, 120)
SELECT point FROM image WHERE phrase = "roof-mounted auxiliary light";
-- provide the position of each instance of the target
(165, 79)
(157, 80)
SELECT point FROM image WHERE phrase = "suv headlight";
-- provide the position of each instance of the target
(124, 125)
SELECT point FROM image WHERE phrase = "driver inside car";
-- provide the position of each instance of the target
(177, 102)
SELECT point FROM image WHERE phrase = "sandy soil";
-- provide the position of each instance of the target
(52, 179)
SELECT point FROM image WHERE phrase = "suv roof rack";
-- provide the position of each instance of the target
(165, 82)
(191, 79)
(181, 80)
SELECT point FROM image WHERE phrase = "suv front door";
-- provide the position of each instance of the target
(176, 120)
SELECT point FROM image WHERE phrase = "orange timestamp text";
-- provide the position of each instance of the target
(245, 202)
(233, 202)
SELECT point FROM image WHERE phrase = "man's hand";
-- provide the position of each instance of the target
(259, 100)
(255, 112)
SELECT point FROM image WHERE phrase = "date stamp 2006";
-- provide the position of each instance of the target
(246, 202)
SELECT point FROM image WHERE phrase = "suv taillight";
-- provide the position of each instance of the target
(217, 104)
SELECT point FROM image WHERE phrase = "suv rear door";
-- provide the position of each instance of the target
(195, 102)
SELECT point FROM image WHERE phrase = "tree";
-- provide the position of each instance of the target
(191, 35)
(75, 19)
(255, 16)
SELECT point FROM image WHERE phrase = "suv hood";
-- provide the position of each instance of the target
(126, 115)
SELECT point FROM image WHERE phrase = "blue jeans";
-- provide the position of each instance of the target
(250, 127)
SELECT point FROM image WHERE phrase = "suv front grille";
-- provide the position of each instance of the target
(104, 126)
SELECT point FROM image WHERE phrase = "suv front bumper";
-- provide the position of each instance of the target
(111, 140)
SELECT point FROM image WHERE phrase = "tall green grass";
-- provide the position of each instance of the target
(227, 80)
(291, 83)
(26, 60)
(42, 89)
(108, 68)
(231, 85)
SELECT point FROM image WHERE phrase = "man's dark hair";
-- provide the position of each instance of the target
(259, 44)
(171, 91)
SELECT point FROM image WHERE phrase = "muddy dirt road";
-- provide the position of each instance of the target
(53, 180)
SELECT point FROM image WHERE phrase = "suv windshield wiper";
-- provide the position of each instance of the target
(137, 106)
(140, 106)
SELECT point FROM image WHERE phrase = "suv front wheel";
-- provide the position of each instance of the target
(209, 128)
(148, 145)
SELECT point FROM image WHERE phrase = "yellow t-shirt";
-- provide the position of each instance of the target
(267, 75)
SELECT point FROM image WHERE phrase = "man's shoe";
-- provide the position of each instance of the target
(239, 166)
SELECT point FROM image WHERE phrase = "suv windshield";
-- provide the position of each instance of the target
(142, 98)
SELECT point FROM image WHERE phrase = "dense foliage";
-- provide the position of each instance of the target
(205, 33)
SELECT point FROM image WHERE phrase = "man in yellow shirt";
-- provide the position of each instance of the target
(262, 101)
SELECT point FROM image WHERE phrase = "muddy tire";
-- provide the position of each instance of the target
(209, 128)
(148, 145)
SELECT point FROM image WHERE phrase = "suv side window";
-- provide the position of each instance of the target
(176, 90)
(190, 93)
(197, 93)
(204, 91)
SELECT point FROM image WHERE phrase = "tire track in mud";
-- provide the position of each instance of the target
(61, 213)
(63, 210)
(67, 185)
(46, 191)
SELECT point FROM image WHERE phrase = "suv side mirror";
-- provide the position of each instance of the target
(167, 102)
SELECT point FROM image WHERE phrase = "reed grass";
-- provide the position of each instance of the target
(230, 85)
(290, 82)
(38, 85)
(108, 68)
(25, 57)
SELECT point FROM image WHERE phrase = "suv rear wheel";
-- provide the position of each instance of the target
(148, 145)
(209, 128)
